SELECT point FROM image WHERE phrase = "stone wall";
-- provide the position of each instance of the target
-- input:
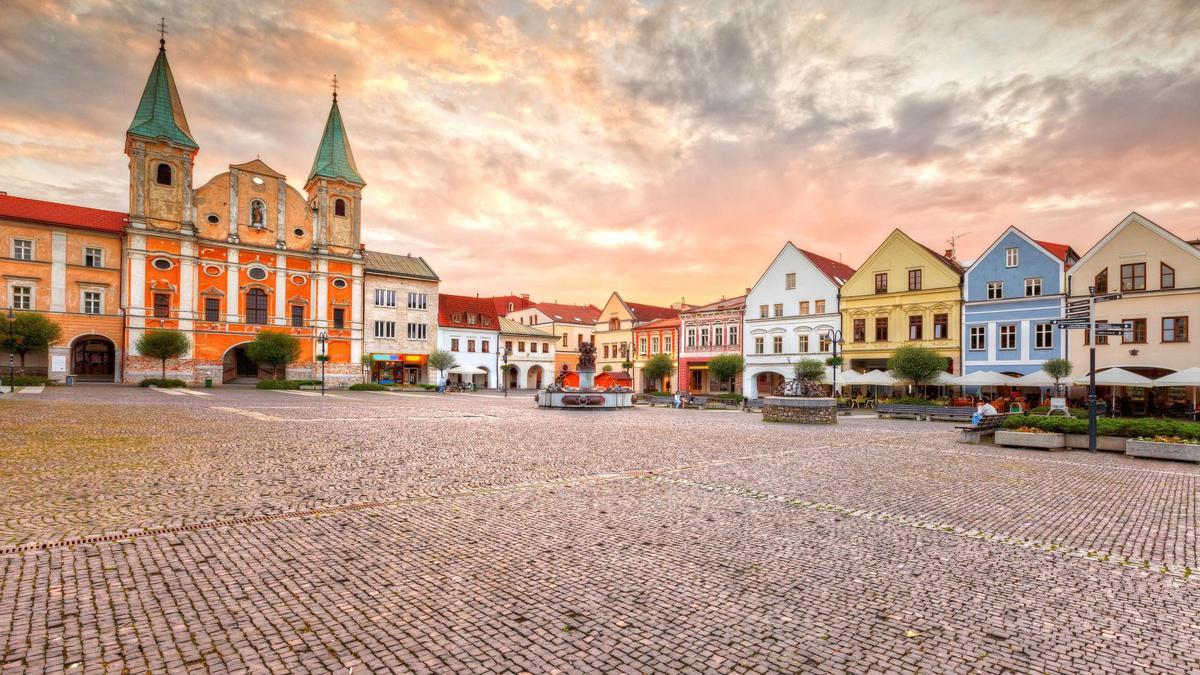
(796, 410)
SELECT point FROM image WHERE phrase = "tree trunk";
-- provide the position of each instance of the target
(164, 369)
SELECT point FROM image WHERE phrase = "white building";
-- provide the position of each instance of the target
(530, 353)
(400, 309)
(469, 328)
(791, 314)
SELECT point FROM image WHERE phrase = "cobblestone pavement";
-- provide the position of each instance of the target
(266, 531)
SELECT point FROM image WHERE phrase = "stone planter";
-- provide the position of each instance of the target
(1187, 452)
(798, 410)
(1106, 443)
(1023, 439)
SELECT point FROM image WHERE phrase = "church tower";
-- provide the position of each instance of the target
(334, 190)
(161, 151)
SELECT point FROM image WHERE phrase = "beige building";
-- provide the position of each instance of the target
(400, 300)
(1158, 276)
(571, 325)
(614, 331)
(530, 355)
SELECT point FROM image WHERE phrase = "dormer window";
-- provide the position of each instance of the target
(258, 214)
(472, 319)
(456, 318)
(339, 208)
(163, 174)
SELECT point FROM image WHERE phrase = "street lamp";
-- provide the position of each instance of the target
(11, 344)
(323, 338)
(836, 339)
(504, 352)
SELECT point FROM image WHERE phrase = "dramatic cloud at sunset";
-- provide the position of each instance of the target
(662, 149)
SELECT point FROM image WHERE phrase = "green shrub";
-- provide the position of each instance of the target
(1043, 409)
(278, 384)
(308, 383)
(915, 400)
(729, 396)
(1124, 427)
(29, 381)
(427, 387)
(169, 383)
(367, 386)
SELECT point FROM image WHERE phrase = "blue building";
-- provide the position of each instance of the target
(1011, 294)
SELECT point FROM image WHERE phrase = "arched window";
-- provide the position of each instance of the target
(256, 306)
(339, 207)
(163, 174)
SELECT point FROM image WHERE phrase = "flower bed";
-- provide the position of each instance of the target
(1106, 426)
(1164, 447)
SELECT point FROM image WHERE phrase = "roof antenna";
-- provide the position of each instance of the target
(952, 241)
(162, 33)
(335, 85)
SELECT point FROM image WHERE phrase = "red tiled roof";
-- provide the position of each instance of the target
(53, 213)
(584, 314)
(950, 262)
(837, 272)
(660, 323)
(1060, 251)
(650, 312)
(449, 305)
(517, 301)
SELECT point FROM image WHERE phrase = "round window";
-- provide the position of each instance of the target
(299, 280)
(213, 218)
(339, 283)
(257, 180)
(299, 232)
(212, 270)
(162, 264)
(257, 273)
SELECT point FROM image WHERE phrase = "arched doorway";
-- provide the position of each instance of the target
(237, 368)
(480, 380)
(767, 383)
(512, 376)
(93, 359)
(534, 379)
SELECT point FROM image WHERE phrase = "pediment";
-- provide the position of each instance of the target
(259, 167)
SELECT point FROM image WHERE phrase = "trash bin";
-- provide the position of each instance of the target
(474, 386)
(70, 380)
(208, 383)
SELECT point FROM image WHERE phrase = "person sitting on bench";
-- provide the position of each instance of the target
(982, 410)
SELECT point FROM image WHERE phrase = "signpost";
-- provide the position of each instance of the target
(1081, 315)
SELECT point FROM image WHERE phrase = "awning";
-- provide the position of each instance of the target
(698, 367)
(406, 358)
(1118, 377)
(1189, 377)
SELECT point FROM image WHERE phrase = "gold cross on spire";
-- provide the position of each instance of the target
(335, 85)
(162, 33)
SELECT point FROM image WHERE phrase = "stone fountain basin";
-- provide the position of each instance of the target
(585, 399)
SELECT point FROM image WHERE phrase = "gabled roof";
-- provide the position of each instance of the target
(53, 213)
(723, 304)
(462, 305)
(257, 166)
(949, 262)
(1061, 251)
(661, 323)
(510, 327)
(334, 158)
(398, 265)
(518, 302)
(1059, 254)
(160, 112)
(642, 312)
(837, 272)
(1154, 227)
(580, 314)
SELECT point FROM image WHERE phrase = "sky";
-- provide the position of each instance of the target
(666, 150)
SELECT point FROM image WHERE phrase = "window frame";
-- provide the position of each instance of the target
(1133, 277)
(158, 174)
(789, 281)
(1040, 331)
(859, 330)
(942, 321)
(215, 314)
(1012, 257)
(881, 322)
(881, 288)
(23, 244)
(339, 318)
(760, 344)
(94, 254)
(1177, 335)
(977, 338)
(916, 321)
(1006, 330)
(296, 321)
(995, 290)
(1165, 270)
(418, 300)
(803, 308)
(1100, 282)
(915, 279)
(417, 331)
(164, 311)
(1033, 283)
(83, 301)
(265, 315)
(776, 344)
(27, 295)
(1125, 336)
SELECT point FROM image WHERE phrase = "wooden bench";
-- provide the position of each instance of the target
(974, 433)
(668, 401)
(722, 404)
(924, 412)
(697, 402)
(752, 404)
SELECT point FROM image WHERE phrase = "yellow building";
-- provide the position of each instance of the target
(1158, 277)
(904, 293)
(614, 332)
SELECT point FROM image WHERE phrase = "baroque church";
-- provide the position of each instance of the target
(242, 253)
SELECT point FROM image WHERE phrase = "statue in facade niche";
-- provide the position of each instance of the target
(587, 356)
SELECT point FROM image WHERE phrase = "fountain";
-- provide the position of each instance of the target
(586, 396)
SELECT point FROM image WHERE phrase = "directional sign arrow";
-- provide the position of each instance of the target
(1106, 298)
(1079, 303)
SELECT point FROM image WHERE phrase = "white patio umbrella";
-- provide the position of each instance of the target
(849, 377)
(985, 378)
(467, 370)
(944, 380)
(1188, 377)
(879, 378)
(1117, 377)
(1039, 379)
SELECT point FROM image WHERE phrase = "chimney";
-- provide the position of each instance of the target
(524, 296)
(748, 289)
(950, 253)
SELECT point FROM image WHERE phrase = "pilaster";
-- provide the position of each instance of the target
(232, 298)
(233, 205)
(281, 317)
(58, 272)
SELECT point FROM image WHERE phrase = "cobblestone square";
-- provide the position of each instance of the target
(236, 530)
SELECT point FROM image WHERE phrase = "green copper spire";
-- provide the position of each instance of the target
(334, 158)
(160, 113)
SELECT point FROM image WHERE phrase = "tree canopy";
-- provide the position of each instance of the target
(725, 367)
(274, 349)
(810, 370)
(30, 332)
(163, 344)
(441, 361)
(1059, 369)
(659, 366)
(916, 364)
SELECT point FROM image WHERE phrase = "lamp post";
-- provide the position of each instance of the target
(836, 340)
(504, 352)
(323, 338)
(10, 343)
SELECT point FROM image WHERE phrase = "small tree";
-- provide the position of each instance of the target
(366, 361)
(810, 370)
(274, 349)
(30, 332)
(916, 364)
(725, 367)
(659, 367)
(1059, 369)
(627, 364)
(607, 368)
(163, 344)
(441, 361)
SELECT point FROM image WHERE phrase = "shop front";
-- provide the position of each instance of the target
(401, 369)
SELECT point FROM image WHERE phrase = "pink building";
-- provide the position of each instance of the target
(705, 332)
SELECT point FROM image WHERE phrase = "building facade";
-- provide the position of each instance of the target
(1012, 294)
(469, 328)
(614, 332)
(241, 254)
(651, 339)
(904, 294)
(65, 262)
(705, 332)
(530, 355)
(790, 314)
(400, 308)
(572, 325)
(1158, 276)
